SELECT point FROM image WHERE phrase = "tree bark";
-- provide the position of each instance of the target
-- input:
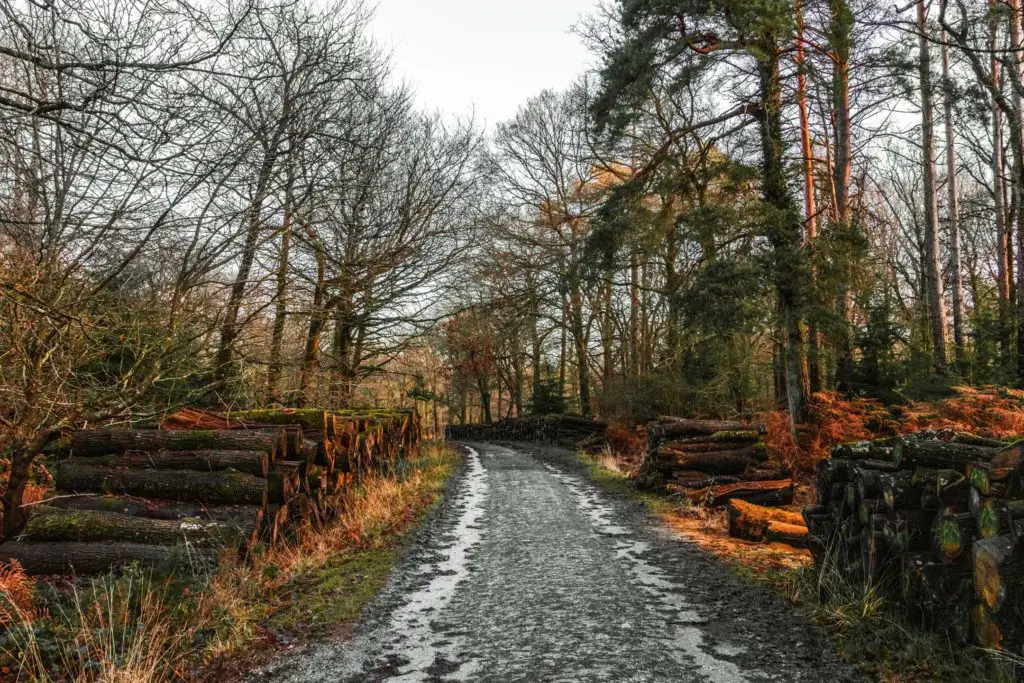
(1004, 236)
(841, 43)
(785, 233)
(83, 526)
(93, 558)
(224, 488)
(932, 267)
(814, 359)
(317, 322)
(953, 210)
(256, 463)
(108, 441)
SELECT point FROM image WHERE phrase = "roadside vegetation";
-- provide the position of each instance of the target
(138, 625)
(866, 628)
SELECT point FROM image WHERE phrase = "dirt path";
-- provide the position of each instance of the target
(528, 573)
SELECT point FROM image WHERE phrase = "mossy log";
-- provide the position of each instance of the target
(771, 493)
(881, 450)
(111, 441)
(61, 524)
(952, 534)
(911, 452)
(256, 463)
(153, 509)
(899, 492)
(750, 522)
(719, 462)
(830, 472)
(709, 446)
(92, 558)
(737, 437)
(681, 427)
(311, 418)
(225, 487)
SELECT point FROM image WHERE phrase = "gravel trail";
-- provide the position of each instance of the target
(527, 572)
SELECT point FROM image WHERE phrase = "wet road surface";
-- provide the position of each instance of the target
(527, 572)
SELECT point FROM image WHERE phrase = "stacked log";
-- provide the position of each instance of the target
(712, 462)
(160, 495)
(935, 519)
(569, 431)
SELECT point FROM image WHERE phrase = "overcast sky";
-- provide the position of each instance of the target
(486, 56)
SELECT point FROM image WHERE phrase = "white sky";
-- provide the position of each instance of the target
(484, 56)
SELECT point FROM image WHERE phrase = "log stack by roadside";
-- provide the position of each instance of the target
(568, 431)
(936, 519)
(712, 462)
(179, 495)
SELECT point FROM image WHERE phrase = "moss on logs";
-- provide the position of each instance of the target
(92, 558)
(153, 509)
(256, 463)
(310, 418)
(680, 427)
(62, 524)
(910, 452)
(107, 441)
(225, 487)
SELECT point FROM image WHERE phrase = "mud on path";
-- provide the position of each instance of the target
(527, 572)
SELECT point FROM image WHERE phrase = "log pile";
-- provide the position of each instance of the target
(568, 431)
(713, 462)
(180, 494)
(937, 520)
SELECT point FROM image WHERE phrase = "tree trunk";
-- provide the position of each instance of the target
(256, 463)
(280, 298)
(785, 233)
(1004, 236)
(254, 224)
(108, 441)
(93, 558)
(224, 488)
(841, 43)
(814, 359)
(932, 267)
(83, 526)
(953, 209)
(317, 322)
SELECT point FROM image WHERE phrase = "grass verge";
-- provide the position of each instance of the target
(140, 626)
(866, 629)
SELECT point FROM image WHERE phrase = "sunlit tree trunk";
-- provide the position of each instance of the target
(814, 346)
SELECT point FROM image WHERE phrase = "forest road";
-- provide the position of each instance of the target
(527, 572)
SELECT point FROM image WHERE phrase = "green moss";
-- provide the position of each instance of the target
(336, 592)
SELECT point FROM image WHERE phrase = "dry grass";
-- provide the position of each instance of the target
(136, 627)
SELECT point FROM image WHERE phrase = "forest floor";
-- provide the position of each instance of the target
(866, 630)
(527, 571)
